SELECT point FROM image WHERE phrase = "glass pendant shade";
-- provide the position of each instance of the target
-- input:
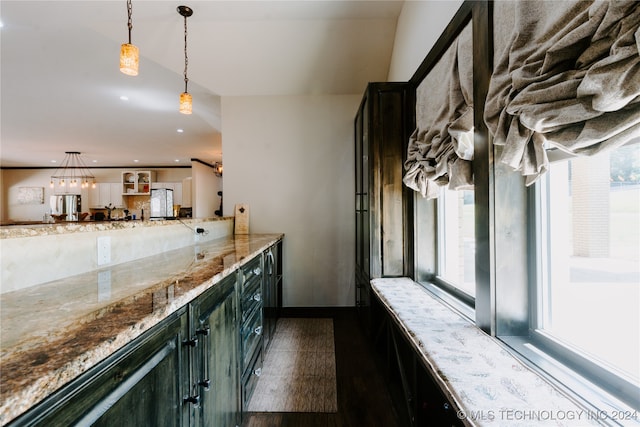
(186, 104)
(129, 59)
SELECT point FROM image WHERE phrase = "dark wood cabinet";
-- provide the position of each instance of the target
(417, 398)
(251, 327)
(382, 204)
(214, 398)
(272, 290)
(197, 367)
(142, 384)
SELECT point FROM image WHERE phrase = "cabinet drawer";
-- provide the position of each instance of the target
(252, 273)
(250, 379)
(251, 336)
(251, 299)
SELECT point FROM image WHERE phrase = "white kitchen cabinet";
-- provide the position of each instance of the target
(115, 195)
(105, 193)
(186, 192)
(137, 182)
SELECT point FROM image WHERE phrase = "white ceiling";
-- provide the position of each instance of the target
(61, 87)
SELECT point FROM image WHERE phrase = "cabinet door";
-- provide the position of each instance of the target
(215, 377)
(177, 193)
(270, 293)
(100, 196)
(186, 192)
(115, 195)
(94, 196)
(143, 182)
(142, 384)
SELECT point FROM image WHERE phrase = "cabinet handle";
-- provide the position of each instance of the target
(258, 330)
(258, 372)
(270, 262)
(191, 343)
(257, 297)
(204, 331)
(205, 383)
(192, 399)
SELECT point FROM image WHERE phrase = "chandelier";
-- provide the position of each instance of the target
(73, 172)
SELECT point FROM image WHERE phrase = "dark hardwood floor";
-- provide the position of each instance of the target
(363, 397)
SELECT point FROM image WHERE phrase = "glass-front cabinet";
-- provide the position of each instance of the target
(137, 182)
(381, 202)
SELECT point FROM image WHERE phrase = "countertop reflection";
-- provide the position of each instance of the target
(53, 332)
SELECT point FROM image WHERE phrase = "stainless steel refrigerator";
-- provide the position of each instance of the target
(66, 204)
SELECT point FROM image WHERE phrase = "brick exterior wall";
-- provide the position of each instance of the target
(590, 205)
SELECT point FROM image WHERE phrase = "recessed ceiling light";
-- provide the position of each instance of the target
(53, 161)
(177, 160)
(180, 130)
(124, 98)
(94, 161)
(136, 161)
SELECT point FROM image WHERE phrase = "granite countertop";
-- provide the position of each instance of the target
(32, 229)
(53, 332)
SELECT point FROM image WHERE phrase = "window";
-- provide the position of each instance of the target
(456, 240)
(588, 273)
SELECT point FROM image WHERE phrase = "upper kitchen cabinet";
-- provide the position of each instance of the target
(104, 194)
(137, 182)
(382, 204)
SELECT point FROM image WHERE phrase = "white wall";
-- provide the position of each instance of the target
(291, 160)
(419, 26)
(204, 191)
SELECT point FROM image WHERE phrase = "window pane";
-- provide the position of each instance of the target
(591, 265)
(456, 239)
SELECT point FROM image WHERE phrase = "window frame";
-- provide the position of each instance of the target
(447, 285)
(505, 304)
(553, 349)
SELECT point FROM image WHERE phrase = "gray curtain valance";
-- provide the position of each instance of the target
(568, 76)
(441, 148)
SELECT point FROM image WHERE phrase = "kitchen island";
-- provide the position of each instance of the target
(53, 332)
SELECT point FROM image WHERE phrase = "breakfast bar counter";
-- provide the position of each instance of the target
(55, 331)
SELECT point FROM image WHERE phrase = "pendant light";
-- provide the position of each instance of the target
(73, 172)
(129, 54)
(186, 102)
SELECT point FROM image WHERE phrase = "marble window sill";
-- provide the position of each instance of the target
(489, 385)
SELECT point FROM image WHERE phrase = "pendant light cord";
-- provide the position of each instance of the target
(186, 59)
(129, 24)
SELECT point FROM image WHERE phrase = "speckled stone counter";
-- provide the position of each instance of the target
(53, 332)
(36, 229)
